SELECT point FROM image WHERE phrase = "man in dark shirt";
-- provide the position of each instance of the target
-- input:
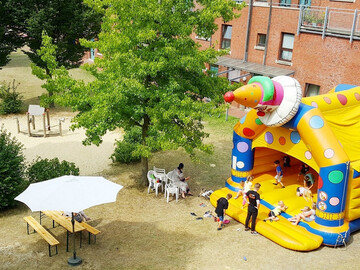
(222, 205)
(253, 208)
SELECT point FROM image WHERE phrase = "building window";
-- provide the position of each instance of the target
(287, 45)
(261, 38)
(305, 3)
(285, 3)
(311, 90)
(226, 36)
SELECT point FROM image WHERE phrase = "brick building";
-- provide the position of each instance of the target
(317, 42)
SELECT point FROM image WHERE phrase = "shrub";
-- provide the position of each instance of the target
(124, 150)
(45, 169)
(12, 168)
(11, 100)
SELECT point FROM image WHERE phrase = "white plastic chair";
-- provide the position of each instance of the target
(171, 188)
(160, 174)
(153, 183)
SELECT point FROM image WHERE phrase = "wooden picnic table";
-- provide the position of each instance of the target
(65, 222)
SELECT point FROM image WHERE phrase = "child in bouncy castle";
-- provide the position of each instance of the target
(273, 214)
(246, 187)
(279, 174)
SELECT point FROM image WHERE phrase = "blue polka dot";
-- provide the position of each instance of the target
(295, 137)
(316, 122)
(242, 120)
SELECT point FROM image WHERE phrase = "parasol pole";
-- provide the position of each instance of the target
(74, 260)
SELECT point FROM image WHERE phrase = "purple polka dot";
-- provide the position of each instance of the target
(329, 153)
(242, 147)
(269, 138)
(308, 155)
(327, 100)
(314, 104)
(334, 201)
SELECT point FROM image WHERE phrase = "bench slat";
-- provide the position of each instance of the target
(89, 228)
(42, 231)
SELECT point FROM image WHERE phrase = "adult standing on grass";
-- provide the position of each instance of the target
(222, 205)
(253, 208)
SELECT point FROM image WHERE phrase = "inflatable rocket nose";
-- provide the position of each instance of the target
(229, 96)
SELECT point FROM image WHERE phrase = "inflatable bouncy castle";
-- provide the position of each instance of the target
(322, 131)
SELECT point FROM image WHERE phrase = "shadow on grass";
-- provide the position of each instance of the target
(120, 245)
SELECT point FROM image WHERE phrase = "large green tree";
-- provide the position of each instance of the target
(23, 21)
(152, 74)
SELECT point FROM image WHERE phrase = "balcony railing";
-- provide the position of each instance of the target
(330, 22)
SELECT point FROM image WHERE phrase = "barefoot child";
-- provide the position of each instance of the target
(273, 215)
(279, 174)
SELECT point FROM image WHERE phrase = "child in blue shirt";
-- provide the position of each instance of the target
(279, 173)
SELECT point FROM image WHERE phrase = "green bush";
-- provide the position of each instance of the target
(45, 169)
(124, 150)
(11, 100)
(12, 168)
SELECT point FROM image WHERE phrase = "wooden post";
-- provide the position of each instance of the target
(44, 123)
(48, 118)
(33, 121)
(60, 129)
(28, 123)
(18, 124)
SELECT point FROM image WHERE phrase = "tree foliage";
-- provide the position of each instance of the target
(45, 169)
(152, 74)
(23, 21)
(12, 168)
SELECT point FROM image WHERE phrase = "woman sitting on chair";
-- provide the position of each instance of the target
(180, 181)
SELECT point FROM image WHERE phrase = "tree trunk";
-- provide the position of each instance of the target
(144, 170)
(145, 160)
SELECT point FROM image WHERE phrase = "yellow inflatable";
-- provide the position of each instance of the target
(321, 131)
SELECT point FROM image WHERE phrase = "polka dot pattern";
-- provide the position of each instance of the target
(336, 176)
(258, 121)
(282, 140)
(329, 153)
(357, 96)
(316, 122)
(248, 132)
(240, 164)
(260, 113)
(334, 201)
(295, 137)
(269, 138)
(342, 99)
(314, 104)
(308, 155)
(327, 100)
(242, 147)
(320, 182)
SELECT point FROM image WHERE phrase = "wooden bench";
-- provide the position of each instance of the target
(30, 221)
(91, 230)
